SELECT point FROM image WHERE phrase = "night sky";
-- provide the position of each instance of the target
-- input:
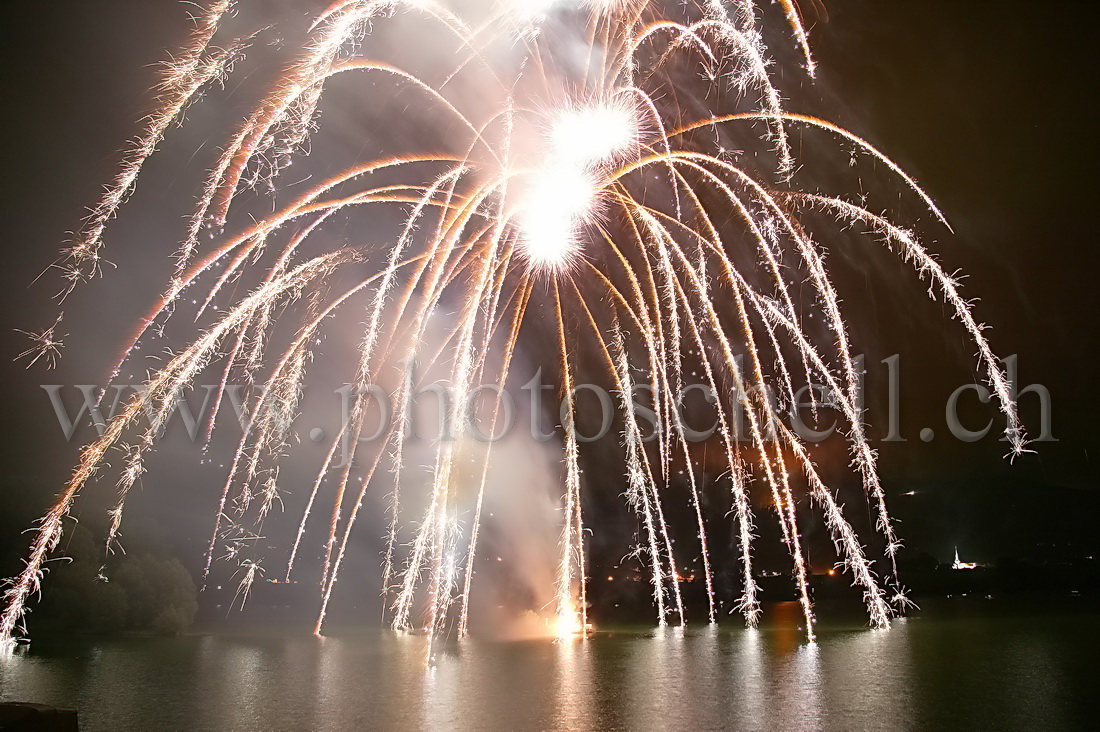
(989, 105)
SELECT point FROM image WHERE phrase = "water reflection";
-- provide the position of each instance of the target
(575, 693)
(925, 673)
(748, 683)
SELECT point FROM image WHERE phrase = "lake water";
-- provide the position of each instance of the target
(964, 664)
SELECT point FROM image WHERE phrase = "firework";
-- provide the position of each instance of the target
(593, 178)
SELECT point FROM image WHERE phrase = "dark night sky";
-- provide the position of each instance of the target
(988, 104)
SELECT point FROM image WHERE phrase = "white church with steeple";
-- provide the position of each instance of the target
(957, 564)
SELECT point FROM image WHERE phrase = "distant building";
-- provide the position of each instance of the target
(962, 565)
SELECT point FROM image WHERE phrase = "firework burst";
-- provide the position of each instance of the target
(591, 179)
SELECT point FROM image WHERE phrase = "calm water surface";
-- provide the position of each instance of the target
(965, 665)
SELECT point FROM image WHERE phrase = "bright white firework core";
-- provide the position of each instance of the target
(594, 133)
(564, 192)
(558, 201)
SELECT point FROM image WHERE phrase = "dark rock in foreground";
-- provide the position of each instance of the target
(25, 717)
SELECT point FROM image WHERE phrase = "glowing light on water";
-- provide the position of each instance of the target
(569, 625)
